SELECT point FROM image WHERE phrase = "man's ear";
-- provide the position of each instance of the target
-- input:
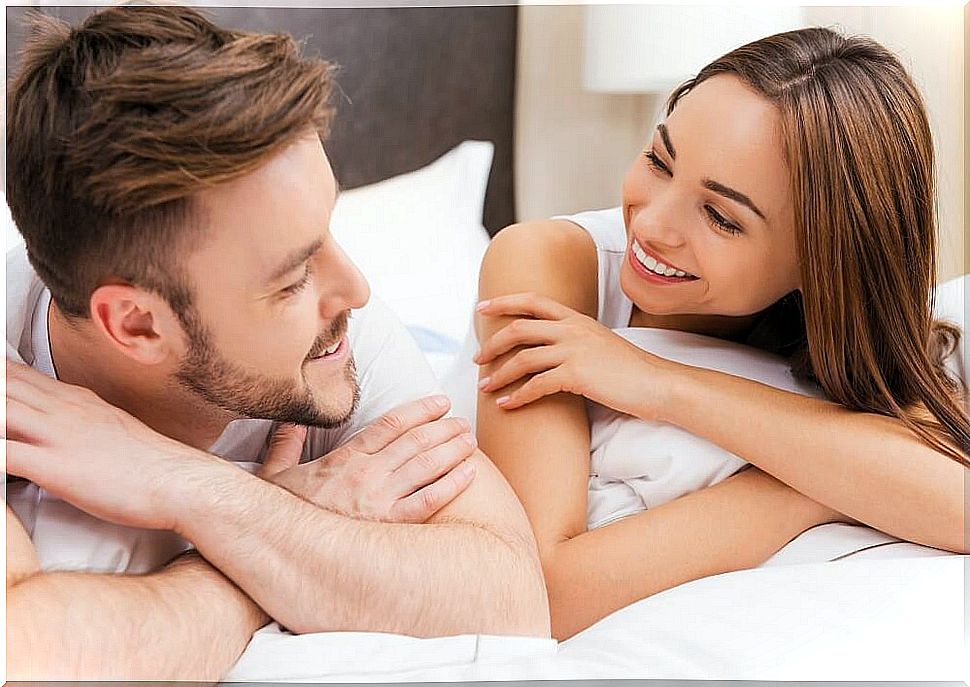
(139, 323)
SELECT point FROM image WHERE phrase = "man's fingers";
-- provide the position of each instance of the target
(285, 449)
(422, 439)
(37, 382)
(405, 417)
(424, 503)
(23, 391)
(24, 423)
(23, 460)
(427, 466)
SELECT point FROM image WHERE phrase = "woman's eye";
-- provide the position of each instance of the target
(298, 286)
(654, 161)
(719, 222)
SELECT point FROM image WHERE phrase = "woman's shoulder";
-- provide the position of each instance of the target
(552, 257)
(545, 235)
(605, 227)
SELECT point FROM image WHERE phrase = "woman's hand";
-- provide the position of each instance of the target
(567, 351)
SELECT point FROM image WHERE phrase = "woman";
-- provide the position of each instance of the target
(788, 202)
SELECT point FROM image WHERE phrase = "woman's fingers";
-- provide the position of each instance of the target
(516, 333)
(424, 503)
(525, 362)
(530, 304)
(541, 385)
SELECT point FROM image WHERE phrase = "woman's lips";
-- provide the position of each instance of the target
(649, 275)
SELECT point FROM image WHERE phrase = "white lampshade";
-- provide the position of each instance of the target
(652, 48)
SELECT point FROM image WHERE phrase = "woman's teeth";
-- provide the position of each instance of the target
(656, 267)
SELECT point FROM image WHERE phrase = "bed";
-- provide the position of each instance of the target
(422, 146)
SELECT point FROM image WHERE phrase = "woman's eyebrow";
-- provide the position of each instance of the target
(710, 184)
(736, 196)
(665, 136)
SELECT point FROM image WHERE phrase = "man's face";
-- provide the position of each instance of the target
(272, 296)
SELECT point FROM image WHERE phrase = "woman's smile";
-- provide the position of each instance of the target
(651, 267)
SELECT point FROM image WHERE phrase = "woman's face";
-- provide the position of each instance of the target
(708, 203)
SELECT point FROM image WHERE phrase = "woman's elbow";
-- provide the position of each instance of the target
(955, 536)
(960, 540)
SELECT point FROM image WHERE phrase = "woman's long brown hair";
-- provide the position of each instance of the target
(860, 155)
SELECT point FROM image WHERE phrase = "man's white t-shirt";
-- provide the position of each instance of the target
(390, 371)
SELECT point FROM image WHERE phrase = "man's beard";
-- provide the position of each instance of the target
(224, 384)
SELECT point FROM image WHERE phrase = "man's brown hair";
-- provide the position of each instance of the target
(115, 124)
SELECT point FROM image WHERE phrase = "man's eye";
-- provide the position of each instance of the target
(298, 286)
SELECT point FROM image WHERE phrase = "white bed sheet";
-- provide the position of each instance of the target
(862, 618)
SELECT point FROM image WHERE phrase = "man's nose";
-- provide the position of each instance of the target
(346, 288)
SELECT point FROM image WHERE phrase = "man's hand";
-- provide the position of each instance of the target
(404, 467)
(89, 453)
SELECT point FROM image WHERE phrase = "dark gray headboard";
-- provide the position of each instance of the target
(415, 82)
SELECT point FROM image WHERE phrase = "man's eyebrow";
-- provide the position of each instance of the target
(294, 260)
(665, 135)
(736, 196)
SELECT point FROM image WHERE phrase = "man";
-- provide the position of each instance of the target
(185, 304)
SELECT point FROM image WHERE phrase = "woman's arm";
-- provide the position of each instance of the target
(543, 450)
(868, 466)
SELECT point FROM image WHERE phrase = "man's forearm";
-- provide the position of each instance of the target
(313, 570)
(185, 622)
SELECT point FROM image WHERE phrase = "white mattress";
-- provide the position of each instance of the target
(885, 610)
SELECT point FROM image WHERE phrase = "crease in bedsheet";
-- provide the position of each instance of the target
(274, 654)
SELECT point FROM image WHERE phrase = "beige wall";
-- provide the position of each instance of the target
(929, 41)
(573, 146)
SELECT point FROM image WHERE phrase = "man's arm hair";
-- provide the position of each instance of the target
(473, 568)
(184, 622)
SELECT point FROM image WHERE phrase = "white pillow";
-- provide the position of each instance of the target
(637, 464)
(418, 239)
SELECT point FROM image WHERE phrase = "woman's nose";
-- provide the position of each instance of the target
(661, 222)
